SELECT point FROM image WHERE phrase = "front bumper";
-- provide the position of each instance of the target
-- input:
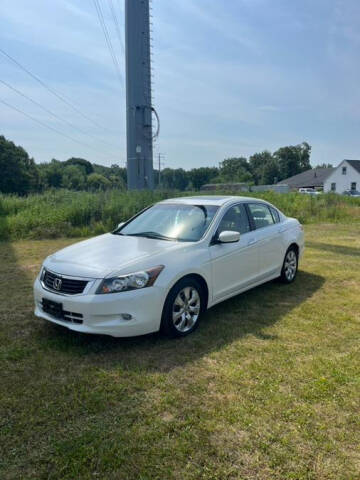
(102, 314)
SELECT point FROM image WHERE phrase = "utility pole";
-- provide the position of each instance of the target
(138, 95)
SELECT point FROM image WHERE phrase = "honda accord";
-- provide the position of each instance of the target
(163, 268)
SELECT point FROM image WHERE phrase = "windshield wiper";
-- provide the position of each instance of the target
(154, 235)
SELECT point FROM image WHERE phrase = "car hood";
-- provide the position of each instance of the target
(101, 256)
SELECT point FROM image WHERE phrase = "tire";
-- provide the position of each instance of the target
(183, 307)
(290, 266)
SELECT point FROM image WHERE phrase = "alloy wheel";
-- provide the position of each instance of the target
(290, 265)
(186, 309)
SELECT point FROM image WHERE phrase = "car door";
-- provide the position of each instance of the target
(269, 238)
(234, 265)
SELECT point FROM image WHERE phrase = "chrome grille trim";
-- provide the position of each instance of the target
(68, 286)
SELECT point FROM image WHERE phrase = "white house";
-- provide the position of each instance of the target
(345, 177)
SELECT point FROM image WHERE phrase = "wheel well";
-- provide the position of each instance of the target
(202, 283)
(295, 246)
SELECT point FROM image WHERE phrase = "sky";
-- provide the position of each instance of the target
(231, 78)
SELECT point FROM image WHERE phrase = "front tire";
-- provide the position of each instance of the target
(183, 307)
(290, 266)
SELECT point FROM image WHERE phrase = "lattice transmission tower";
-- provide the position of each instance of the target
(139, 106)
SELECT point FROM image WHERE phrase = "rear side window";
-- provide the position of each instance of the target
(261, 215)
(235, 219)
(275, 215)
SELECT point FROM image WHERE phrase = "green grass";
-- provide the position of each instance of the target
(268, 387)
(62, 213)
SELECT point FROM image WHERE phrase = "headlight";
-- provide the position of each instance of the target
(132, 281)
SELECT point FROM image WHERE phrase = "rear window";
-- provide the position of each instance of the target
(275, 215)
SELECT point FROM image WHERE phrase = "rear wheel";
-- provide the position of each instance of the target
(182, 309)
(290, 266)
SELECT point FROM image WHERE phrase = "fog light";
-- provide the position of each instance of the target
(126, 316)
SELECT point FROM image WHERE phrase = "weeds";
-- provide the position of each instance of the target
(62, 213)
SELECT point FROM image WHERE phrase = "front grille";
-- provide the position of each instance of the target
(60, 284)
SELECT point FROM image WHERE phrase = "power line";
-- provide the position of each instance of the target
(52, 113)
(42, 107)
(108, 41)
(45, 125)
(117, 25)
(51, 90)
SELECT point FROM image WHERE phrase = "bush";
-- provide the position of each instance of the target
(63, 213)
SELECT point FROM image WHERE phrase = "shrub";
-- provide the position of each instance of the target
(63, 213)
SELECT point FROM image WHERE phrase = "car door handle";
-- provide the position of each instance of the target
(252, 241)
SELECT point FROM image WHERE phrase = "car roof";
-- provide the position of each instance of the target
(217, 200)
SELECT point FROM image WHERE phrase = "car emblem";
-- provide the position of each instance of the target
(57, 283)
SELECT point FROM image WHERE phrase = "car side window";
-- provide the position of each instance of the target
(235, 219)
(275, 215)
(261, 215)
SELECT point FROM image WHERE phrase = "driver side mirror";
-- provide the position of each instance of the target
(229, 236)
(120, 225)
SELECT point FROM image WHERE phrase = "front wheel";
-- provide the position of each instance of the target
(182, 309)
(290, 266)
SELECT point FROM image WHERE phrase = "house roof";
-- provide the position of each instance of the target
(355, 164)
(314, 177)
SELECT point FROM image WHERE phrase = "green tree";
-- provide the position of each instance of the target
(83, 164)
(174, 179)
(73, 178)
(235, 170)
(95, 181)
(117, 182)
(325, 165)
(51, 174)
(120, 172)
(257, 163)
(271, 172)
(200, 176)
(293, 159)
(19, 173)
(114, 170)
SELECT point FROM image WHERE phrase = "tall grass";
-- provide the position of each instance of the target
(62, 213)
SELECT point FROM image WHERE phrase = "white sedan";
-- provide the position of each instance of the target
(164, 267)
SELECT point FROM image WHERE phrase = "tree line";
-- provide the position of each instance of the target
(21, 175)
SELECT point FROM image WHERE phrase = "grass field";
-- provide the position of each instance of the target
(267, 388)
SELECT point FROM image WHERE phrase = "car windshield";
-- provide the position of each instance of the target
(180, 222)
